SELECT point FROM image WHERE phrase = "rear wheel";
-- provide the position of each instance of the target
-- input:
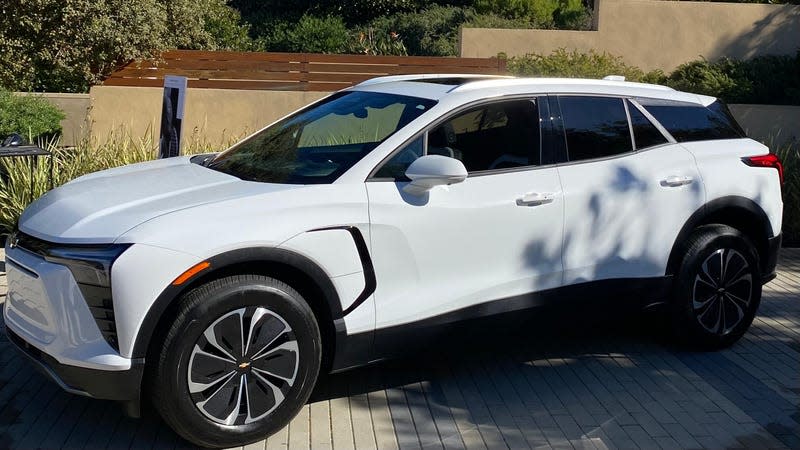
(238, 363)
(718, 289)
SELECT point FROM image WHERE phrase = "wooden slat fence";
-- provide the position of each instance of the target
(288, 71)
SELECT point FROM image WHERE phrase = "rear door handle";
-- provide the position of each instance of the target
(675, 181)
(535, 199)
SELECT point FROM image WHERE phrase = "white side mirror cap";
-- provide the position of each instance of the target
(429, 171)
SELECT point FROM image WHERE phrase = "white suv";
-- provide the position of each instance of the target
(221, 285)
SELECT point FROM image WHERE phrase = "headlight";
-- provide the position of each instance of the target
(89, 265)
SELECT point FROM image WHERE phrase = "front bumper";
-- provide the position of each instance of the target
(122, 385)
(48, 319)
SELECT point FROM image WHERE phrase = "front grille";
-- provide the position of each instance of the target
(98, 298)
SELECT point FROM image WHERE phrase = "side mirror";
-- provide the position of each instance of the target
(429, 171)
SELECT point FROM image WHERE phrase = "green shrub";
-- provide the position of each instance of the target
(370, 42)
(573, 64)
(431, 32)
(29, 115)
(764, 79)
(563, 14)
(310, 34)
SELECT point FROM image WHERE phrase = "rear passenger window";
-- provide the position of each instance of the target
(688, 122)
(595, 127)
(645, 134)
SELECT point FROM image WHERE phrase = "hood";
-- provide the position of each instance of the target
(99, 207)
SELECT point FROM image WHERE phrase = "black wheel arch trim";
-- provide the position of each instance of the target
(266, 255)
(702, 215)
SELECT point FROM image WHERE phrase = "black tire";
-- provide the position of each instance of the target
(263, 306)
(719, 268)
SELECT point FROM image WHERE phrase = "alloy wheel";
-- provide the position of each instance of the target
(722, 291)
(242, 366)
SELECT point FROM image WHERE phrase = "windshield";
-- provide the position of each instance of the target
(320, 143)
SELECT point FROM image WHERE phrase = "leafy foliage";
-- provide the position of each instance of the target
(370, 42)
(764, 79)
(574, 64)
(431, 32)
(30, 116)
(68, 45)
(567, 14)
(310, 34)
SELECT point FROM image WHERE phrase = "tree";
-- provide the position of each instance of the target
(69, 45)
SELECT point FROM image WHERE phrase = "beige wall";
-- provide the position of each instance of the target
(777, 125)
(656, 34)
(212, 116)
(76, 107)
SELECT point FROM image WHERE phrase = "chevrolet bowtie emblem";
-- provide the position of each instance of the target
(244, 365)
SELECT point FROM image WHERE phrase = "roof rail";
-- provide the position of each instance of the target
(422, 77)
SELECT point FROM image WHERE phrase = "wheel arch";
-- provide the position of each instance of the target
(738, 212)
(294, 269)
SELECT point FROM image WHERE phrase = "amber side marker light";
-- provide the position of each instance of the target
(192, 271)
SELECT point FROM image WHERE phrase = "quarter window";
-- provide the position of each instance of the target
(688, 122)
(595, 127)
(645, 134)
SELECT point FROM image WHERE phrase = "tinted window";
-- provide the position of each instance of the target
(502, 135)
(645, 134)
(506, 136)
(689, 122)
(320, 143)
(595, 127)
(396, 167)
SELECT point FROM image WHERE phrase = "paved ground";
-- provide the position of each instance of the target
(585, 382)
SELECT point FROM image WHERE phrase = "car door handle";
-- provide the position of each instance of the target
(535, 198)
(675, 181)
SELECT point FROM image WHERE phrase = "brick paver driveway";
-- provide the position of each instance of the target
(567, 381)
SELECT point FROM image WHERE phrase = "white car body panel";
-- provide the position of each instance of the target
(620, 218)
(724, 175)
(464, 244)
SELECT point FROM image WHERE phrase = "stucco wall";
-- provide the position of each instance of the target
(213, 116)
(656, 34)
(76, 107)
(775, 124)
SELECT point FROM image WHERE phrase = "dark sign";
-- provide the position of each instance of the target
(169, 143)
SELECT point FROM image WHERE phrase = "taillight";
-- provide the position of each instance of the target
(770, 160)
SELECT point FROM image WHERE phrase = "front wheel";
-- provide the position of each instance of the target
(238, 363)
(718, 288)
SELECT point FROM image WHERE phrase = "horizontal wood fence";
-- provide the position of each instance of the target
(288, 71)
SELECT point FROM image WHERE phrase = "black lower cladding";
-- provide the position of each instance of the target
(628, 294)
(123, 385)
(770, 264)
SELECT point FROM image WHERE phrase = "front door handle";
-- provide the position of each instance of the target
(535, 199)
(675, 181)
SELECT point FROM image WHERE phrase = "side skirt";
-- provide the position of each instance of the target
(629, 293)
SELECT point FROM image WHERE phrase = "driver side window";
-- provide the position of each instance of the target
(495, 136)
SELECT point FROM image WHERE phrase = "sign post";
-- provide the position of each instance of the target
(172, 116)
